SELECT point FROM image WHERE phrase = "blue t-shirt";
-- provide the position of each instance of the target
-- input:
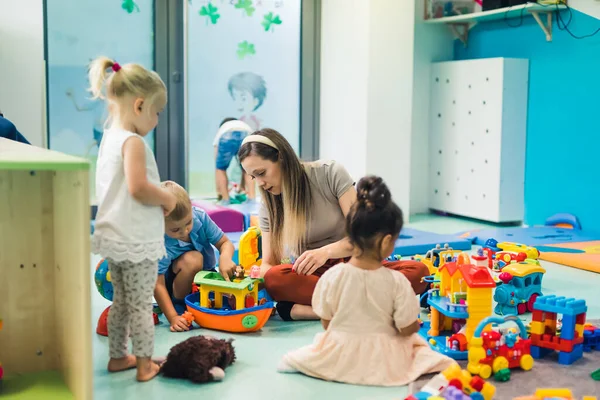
(204, 234)
(9, 131)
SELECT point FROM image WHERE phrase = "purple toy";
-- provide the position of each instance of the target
(227, 219)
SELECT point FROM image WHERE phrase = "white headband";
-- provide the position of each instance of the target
(259, 139)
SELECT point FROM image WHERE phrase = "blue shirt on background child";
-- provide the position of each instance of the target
(204, 234)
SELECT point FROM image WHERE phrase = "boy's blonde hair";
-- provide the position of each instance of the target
(127, 80)
(184, 204)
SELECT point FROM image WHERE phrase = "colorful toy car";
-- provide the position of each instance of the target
(491, 351)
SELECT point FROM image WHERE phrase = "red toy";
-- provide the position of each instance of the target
(491, 351)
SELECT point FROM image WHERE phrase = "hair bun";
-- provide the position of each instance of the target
(373, 192)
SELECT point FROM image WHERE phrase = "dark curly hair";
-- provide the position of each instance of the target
(373, 216)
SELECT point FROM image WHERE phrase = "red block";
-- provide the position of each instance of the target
(477, 383)
(537, 315)
(580, 319)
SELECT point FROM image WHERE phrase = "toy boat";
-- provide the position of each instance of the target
(249, 314)
(237, 321)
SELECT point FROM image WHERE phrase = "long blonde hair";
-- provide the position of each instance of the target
(120, 81)
(289, 212)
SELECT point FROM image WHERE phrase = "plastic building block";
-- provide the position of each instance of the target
(568, 358)
(560, 305)
(596, 375)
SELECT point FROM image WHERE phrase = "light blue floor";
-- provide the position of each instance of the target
(254, 374)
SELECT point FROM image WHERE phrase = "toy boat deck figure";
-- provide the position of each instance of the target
(249, 314)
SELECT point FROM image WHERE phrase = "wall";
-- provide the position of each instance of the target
(22, 85)
(366, 89)
(433, 43)
(589, 7)
(561, 174)
(344, 72)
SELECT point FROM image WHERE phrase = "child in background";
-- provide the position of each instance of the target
(227, 143)
(369, 312)
(189, 237)
(131, 207)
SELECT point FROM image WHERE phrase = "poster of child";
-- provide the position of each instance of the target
(248, 91)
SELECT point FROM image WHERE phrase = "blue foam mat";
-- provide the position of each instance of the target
(411, 242)
(414, 241)
(530, 236)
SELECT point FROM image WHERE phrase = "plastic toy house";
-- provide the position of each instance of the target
(463, 301)
(45, 268)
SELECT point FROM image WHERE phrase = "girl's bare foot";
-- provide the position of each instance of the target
(146, 369)
(121, 364)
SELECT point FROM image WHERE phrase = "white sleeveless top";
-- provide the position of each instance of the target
(126, 230)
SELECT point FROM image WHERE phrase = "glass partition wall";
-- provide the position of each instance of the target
(76, 33)
(254, 60)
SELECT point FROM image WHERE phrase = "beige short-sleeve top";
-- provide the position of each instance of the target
(329, 180)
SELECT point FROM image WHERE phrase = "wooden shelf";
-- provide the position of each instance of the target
(45, 282)
(460, 24)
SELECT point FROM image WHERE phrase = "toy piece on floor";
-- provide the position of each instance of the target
(553, 394)
(437, 257)
(497, 351)
(504, 253)
(189, 318)
(522, 285)
(591, 338)
(455, 383)
(596, 375)
(199, 359)
(464, 299)
(544, 337)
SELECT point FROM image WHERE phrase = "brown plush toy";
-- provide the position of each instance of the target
(199, 359)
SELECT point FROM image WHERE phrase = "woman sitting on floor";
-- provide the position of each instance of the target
(302, 219)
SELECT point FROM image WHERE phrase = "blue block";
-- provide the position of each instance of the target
(560, 305)
(591, 340)
(565, 358)
(568, 327)
(539, 352)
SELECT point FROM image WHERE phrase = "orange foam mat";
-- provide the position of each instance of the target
(582, 255)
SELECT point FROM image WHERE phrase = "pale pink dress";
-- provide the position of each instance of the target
(362, 344)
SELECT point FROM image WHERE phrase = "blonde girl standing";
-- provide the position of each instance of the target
(129, 230)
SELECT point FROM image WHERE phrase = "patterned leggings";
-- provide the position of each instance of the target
(131, 311)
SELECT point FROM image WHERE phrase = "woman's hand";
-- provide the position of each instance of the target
(310, 261)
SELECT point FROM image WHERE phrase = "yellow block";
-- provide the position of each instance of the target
(554, 393)
(579, 329)
(537, 327)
